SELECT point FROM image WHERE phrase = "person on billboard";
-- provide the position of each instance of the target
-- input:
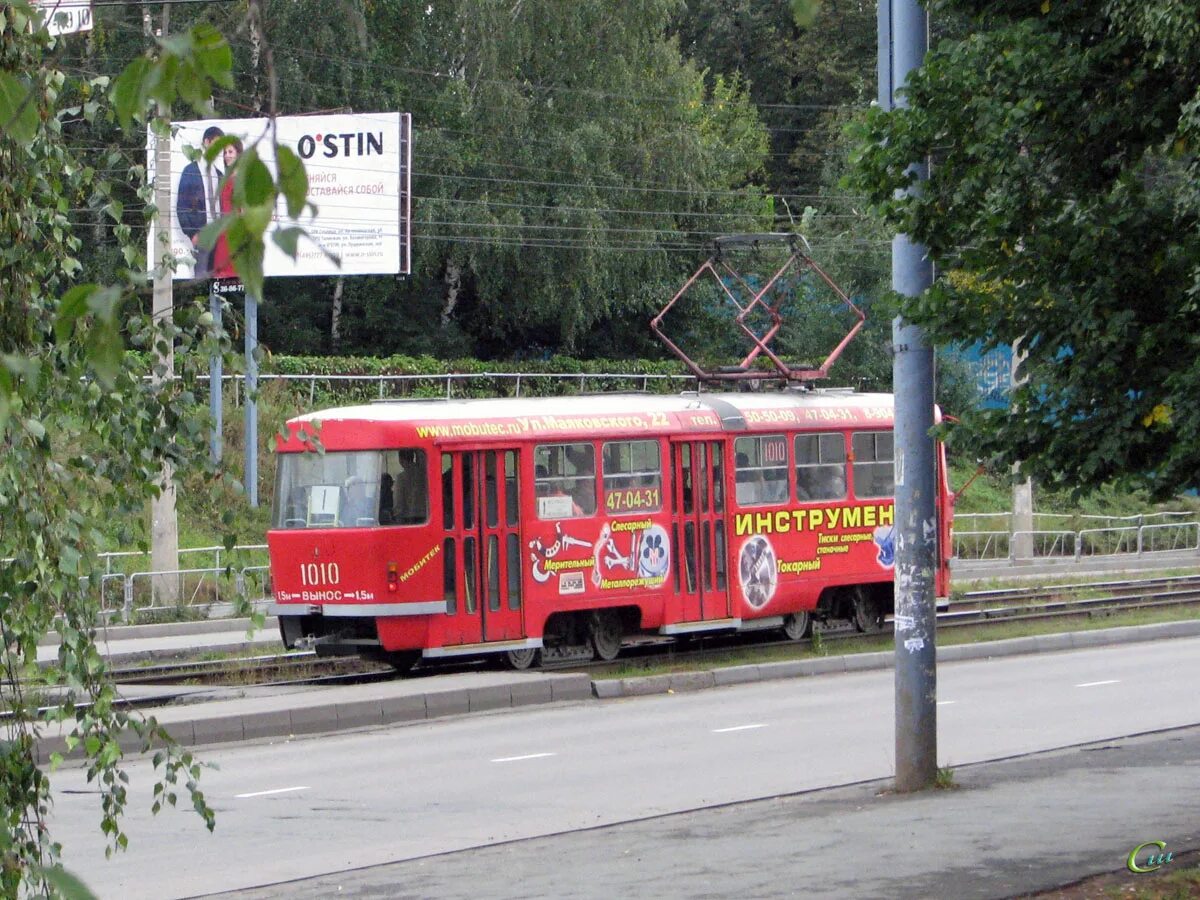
(222, 261)
(196, 205)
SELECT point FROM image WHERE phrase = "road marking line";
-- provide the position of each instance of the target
(946, 702)
(276, 791)
(736, 728)
(1098, 683)
(519, 758)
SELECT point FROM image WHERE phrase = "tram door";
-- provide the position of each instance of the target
(698, 526)
(481, 551)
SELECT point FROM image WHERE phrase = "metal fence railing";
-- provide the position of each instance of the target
(1093, 536)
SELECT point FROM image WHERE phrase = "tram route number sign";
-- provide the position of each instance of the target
(624, 500)
(66, 16)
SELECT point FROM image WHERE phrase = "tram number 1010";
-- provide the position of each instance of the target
(319, 574)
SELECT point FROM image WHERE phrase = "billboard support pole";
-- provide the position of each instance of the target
(215, 381)
(251, 479)
(903, 38)
(164, 520)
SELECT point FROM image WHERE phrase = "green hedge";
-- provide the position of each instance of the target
(428, 365)
(576, 372)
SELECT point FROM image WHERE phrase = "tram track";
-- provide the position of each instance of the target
(980, 609)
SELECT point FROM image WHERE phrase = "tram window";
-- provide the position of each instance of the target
(720, 554)
(410, 503)
(565, 480)
(493, 572)
(820, 466)
(675, 554)
(491, 499)
(360, 489)
(469, 582)
(513, 563)
(706, 542)
(689, 555)
(688, 486)
(450, 576)
(874, 472)
(761, 469)
(632, 477)
(468, 490)
(447, 491)
(718, 474)
(511, 493)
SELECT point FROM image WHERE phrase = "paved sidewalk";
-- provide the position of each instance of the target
(1009, 829)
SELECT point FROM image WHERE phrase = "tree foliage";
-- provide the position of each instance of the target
(1063, 193)
(804, 64)
(569, 166)
(85, 432)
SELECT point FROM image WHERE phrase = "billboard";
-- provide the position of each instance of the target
(358, 221)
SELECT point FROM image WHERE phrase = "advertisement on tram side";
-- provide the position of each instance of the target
(777, 550)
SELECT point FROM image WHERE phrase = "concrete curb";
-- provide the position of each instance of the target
(862, 662)
(220, 727)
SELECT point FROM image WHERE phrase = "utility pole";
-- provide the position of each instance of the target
(216, 399)
(251, 475)
(164, 521)
(1022, 517)
(903, 39)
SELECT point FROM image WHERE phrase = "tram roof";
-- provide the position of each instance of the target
(560, 418)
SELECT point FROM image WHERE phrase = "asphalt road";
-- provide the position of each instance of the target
(329, 804)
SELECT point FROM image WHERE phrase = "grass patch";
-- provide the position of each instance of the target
(970, 634)
(944, 780)
(180, 613)
(964, 585)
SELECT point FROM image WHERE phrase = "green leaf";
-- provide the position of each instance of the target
(130, 92)
(293, 181)
(213, 55)
(105, 352)
(254, 179)
(73, 305)
(287, 238)
(66, 885)
(18, 112)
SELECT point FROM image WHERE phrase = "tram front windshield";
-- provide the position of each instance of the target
(361, 489)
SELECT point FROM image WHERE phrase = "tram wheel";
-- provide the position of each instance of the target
(606, 634)
(797, 626)
(523, 659)
(402, 660)
(868, 613)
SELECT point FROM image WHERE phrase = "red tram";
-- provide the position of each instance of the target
(557, 528)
